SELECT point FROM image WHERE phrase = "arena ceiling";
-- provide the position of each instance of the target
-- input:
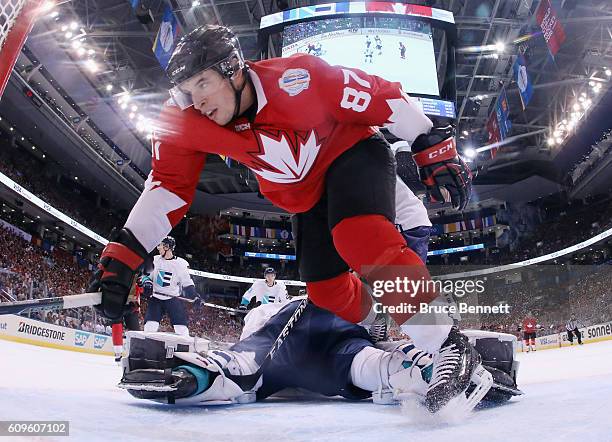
(559, 82)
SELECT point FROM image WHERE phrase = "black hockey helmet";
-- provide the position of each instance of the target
(206, 47)
(269, 271)
(169, 242)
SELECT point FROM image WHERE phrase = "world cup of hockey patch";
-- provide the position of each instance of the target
(294, 81)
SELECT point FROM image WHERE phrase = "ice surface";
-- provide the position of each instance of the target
(568, 397)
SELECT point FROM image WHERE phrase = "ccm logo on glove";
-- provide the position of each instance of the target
(449, 146)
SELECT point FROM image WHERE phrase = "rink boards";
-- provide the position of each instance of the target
(29, 331)
(593, 333)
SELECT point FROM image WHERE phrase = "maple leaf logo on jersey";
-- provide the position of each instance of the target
(400, 109)
(282, 162)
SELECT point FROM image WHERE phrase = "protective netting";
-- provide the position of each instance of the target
(16, 21)
(10, 10)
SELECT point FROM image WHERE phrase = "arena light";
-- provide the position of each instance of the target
(551, 141)
(109, 87)
(131, 115)
(470, 152)
(76, 44)
(466, 133)
(68, 34)
(91, 65)
(609, 72)
(64, 28)
(500, 46)
(54, 14)
(46, 6)
(74, 25)
(134, 108)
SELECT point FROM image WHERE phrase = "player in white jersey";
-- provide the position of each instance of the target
(265, 291)
(170, 275)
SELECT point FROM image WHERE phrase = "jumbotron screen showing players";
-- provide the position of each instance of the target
(397, 49)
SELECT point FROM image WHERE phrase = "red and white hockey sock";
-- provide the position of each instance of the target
(372, 246)
(117, 336)
(343, 295)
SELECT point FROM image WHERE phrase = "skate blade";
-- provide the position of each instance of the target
(146, 387)
(505, 388)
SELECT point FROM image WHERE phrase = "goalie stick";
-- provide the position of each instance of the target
(73, 301)
(57, 303)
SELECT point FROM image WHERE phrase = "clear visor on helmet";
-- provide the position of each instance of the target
(182, 93)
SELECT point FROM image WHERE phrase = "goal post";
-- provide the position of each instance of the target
(16, 21)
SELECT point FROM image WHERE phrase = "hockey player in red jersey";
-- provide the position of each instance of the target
(529, 332)
(308, 131)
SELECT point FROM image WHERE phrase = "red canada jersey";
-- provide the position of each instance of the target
(308, 113)
(529, 324)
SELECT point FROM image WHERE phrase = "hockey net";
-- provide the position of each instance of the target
(16, 20)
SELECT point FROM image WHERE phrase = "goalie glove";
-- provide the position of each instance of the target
(447, 177)
(120, 260)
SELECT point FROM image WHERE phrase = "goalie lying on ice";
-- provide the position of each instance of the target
(322, 354)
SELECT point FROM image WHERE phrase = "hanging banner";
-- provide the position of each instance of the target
(522, 80)
(493, 131)
(553, 32)
(503, 112)
(166, 37)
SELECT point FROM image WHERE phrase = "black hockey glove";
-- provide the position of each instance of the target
(447, 177)
(120, 260)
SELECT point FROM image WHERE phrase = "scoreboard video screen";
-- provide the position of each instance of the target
(395, 48)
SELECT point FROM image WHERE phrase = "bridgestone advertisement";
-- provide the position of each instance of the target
(19, 329)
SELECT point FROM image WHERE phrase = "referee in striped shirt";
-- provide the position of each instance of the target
(572, 329)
